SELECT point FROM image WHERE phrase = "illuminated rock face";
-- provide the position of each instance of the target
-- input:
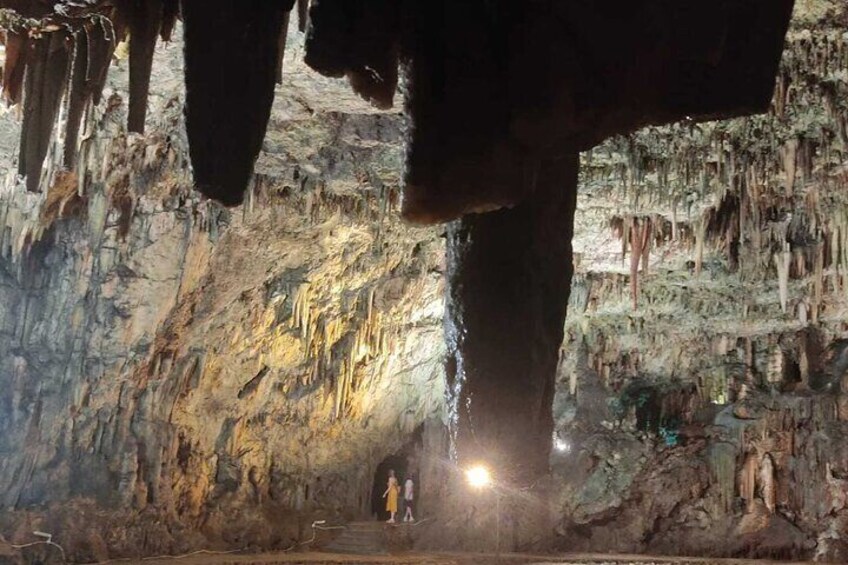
(175, 375)
(701, 400)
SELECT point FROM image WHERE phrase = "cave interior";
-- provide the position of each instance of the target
(256, 253)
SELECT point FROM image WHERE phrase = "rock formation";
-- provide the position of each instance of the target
(496, 91)
(204, 377)
(176, 375)
(718, 379)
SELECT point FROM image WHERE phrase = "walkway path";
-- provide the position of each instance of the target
(321, 558)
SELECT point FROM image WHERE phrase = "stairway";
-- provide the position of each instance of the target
(362, 538)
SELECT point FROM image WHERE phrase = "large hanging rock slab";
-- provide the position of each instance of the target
(494, 85)
(231, 62)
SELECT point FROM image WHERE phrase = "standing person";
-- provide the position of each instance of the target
(391, 496)
(408, 496)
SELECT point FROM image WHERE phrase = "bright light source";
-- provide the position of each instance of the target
(478, 476)
(561, 445)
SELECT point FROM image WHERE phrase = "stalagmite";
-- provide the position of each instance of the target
(776, 367)
(748, 481)
(508, 278)
(766, 482)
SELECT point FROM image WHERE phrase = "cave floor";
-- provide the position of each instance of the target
(321, 558)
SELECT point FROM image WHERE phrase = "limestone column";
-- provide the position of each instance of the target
(509, 275)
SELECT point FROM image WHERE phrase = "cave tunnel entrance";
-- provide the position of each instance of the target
(405, 463)
(399, 462)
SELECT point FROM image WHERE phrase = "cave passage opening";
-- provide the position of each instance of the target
(399, 462)
(406, 464)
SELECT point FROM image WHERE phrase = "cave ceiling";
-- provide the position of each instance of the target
(490, 87)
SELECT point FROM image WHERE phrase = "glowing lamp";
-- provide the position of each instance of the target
(478, 476)
(561, 445)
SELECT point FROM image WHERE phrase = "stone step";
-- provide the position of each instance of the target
(361, 538)
(366, 533)
(359, 543)
(347, 545)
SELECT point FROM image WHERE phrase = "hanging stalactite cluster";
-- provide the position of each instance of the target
(469, 149)
(57, 63)
(778, 180)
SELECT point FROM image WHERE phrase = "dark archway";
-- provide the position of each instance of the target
(405, 462)
(399, 462)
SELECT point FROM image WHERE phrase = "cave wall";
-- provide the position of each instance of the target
(702, 406)
(701, 393)
(203, 377)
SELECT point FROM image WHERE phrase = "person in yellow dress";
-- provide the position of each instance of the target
(391, 496)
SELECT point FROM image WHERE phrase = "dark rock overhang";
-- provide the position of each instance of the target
(492, 86)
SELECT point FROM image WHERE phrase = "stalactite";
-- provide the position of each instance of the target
(818, 283)
(302, 15)
(767, 163)
(649, 228)
(230, 82)
(47, 72)
(145, 21)
(640, 240)
(788, 154)
(699, 246)
(301, 309)
(635, 255)
(357, 39)
(783, 261)
(78, 97)
(749, 363)
(14, 65)
(170, 13)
